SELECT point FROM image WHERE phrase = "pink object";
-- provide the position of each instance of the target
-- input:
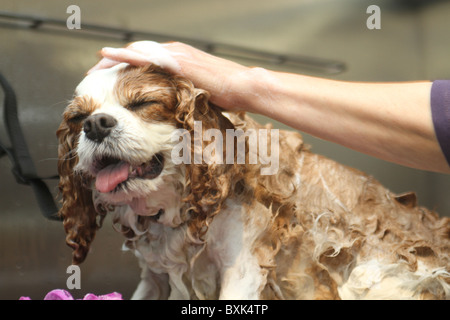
(109, 177)
(59, 294)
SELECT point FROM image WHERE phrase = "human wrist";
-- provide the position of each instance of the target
(257, 86)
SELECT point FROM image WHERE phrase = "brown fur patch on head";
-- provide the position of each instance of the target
(149, 92)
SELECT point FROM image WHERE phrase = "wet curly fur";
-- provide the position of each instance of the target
(314, 230)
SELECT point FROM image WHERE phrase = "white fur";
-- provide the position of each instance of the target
(375, 280)
(98, 85)
(226, 254)
(231, 237)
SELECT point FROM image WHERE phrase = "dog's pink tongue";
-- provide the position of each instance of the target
(109, 177)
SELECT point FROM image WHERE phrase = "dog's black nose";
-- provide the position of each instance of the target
(98, 126)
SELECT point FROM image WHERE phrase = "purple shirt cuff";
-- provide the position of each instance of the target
(440, 112)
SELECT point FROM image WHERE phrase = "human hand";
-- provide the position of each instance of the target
(139, 54)
(226, 81)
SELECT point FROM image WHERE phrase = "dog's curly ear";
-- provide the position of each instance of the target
(77, 210)
(209, 183)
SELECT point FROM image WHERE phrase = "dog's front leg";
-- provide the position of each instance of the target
(230, 246)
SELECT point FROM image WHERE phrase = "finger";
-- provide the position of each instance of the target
(103, 64)
(125, 55)
(145, 52)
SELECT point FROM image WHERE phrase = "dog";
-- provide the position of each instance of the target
(315, 229)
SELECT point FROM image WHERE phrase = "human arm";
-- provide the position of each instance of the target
(391, 121)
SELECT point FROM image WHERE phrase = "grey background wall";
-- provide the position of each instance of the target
(44, 66)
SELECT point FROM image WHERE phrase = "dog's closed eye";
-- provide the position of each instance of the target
(141, 104)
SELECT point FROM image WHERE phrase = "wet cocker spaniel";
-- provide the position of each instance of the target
(312, 229)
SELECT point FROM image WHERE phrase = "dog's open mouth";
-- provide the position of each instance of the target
(112, 173)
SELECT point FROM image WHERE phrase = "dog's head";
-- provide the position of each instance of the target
(115, 147)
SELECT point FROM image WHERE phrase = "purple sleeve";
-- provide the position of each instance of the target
(440, 112)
